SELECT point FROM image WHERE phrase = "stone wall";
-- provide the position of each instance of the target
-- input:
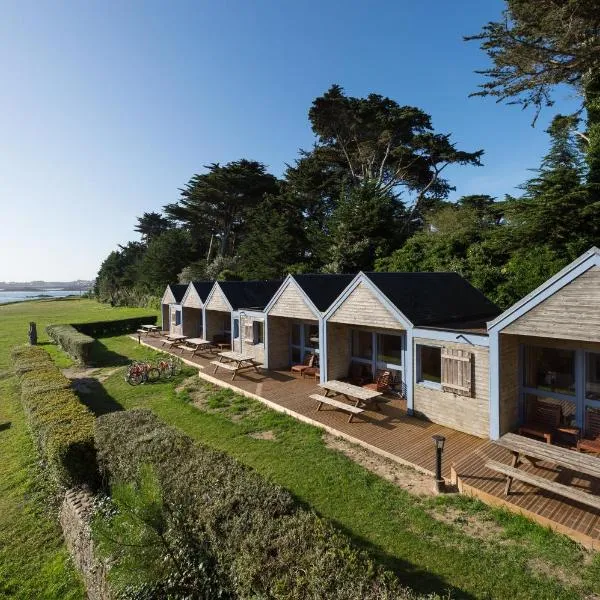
(74, 516)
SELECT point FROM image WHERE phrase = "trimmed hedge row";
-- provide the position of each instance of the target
(120, 326)
(264, 545)
(77, 345)
(62, 427)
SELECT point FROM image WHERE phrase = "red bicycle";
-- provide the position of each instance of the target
(142, 372)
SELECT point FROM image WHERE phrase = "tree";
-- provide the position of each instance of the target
(119, 272)
(150, 225)
(385, 146)
(164, 259)
(214, 205)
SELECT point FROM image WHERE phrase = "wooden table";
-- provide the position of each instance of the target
(222, 345)
(236, 362)
(148, 329)
(522, 447)
(194, 345)
(174, 339)
(353, 393)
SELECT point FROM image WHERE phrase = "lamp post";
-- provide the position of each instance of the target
(439, 441)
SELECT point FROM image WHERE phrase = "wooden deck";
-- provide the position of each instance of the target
(580, 522)
(390, 432)
(407, 440)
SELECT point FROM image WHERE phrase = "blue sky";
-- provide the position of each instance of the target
(107, 108)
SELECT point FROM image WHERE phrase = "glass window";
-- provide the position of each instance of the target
(311, 336)
(177, 317)
(430, 364)
(550, 369)
(362, 344)
(259, 332)
(389, 349)
(296, 356)
(592, 376)
(296, 332)
(236, 328)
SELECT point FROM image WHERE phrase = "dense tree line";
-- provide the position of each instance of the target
(370, 193)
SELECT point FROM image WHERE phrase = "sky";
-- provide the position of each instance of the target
(108, 108)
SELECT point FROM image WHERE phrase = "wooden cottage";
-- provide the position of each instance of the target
(234, 314)
(427, 330)
(545, 356)
(295, 314)
(192, 305)
(171, 308)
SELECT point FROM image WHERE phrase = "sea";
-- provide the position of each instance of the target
(10, 296)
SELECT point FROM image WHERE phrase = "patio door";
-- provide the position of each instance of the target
(379, 352)
(304, 339)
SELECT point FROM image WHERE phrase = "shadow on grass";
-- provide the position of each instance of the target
(103, 357)
(5, 426)
(94, 395)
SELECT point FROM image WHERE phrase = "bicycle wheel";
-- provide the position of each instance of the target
(135, 377)
(165, 369)
(152, 374)
(175, 367)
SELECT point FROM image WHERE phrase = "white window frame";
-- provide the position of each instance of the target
(433, 385)
(373, 362)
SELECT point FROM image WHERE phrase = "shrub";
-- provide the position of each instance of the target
(120, 326)
(62, 427)
(29, 358)
(75, 344)
(264, 545)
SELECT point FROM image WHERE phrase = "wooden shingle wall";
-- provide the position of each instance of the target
(509, 382)
(192, 300)
(572, 313)
(362, 307)
(257, 351)
(338, 350)
(279, 342)
(214, 323)
(291, 304)
(218, 302)
(462, 412)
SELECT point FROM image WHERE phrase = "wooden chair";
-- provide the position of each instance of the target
(311, 372)
(383, 382)
(307, 363)
(591, 439)
(543, 420)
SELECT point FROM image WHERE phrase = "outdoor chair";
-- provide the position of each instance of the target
(311, 372)
(307, 363)
(383, 382)
(591, 439)
(543, 420)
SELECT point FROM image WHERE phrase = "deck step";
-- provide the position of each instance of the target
(223, 365)
(542, 483)
(341, 405)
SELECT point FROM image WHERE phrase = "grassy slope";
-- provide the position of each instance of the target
(33, 560)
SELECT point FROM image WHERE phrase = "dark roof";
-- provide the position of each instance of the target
(203, 288)
(445, 300)
(178, 290)
(323, 289)
(249, 294)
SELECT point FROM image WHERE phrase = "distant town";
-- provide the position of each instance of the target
(44, 286)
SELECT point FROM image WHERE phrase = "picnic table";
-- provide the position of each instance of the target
(523, 448)
(236, 362)
(174, 339)
(148, 329)
(352, 393)
(194, 345)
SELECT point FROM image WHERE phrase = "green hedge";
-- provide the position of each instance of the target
(77, 345)
(120, 326)
(62, 427)
(264, 545)
(30, 358)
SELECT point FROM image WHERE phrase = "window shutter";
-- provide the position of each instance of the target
(456, 371)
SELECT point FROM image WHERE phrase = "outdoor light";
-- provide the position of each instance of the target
(439, 441)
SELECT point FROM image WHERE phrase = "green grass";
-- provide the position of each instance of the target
(433, 544)
(33, 560)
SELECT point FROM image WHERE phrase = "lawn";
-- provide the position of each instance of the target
(449, 545)
(33, 560)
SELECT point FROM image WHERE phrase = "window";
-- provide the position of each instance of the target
(177, 317)
(362, 344)
(389, 349)
(311, 337)
(550, 369)
(259, 332)
(236, 328)
(592, 376)
(429, 361)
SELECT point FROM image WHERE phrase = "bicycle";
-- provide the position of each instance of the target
(141, 372)
(168, 368)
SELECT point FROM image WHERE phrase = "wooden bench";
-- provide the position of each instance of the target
(223, 365)
(544, 484)
(353, 410)
(544, 421)
(237, 363)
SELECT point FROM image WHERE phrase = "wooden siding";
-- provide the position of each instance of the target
(165, 317)
(468, 414)
(192, 321)
(509, 382)
(362, 307)
(218, 301)
(247, 346)
(192, 300)
(573, 312)
(174, 329)
(214, 323)
(338, 350)
(291, 304)
(168, 297)
(279, 342)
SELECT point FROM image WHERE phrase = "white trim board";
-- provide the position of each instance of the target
(457, 337)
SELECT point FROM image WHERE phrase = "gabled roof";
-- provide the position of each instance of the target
(177, 290)
(323, 289)
(203, 288)
(249, 294)
(445, 300)
(573, 270)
